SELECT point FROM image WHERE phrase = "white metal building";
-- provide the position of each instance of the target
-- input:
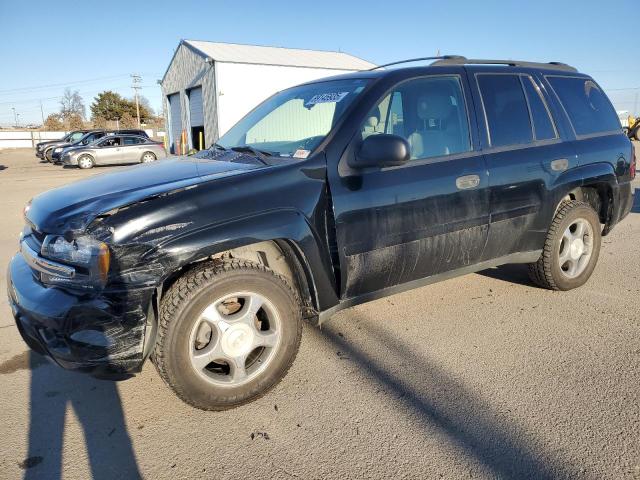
(209, 86)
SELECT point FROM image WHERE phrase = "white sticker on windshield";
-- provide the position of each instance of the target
(334, 97)
(301, 153)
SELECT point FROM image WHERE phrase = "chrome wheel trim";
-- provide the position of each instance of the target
(148, 157)
(231, 349)
(576, 248)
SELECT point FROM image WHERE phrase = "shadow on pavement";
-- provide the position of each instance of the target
(636, 201)
(97, 406)
(441, 402)
(512, 273)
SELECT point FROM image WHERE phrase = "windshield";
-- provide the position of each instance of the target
(75, 136)
(293, 122)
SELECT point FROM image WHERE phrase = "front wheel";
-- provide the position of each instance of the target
(228, 333)
(571, 249)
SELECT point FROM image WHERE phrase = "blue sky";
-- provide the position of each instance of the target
(47, 45)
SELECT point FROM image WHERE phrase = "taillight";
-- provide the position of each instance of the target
(632, 167)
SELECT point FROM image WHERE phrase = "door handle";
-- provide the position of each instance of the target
(559, 165)
(467, 181)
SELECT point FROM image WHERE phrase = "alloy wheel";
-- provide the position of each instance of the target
(235, 338)
(576, 247)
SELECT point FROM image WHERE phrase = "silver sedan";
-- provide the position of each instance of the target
(113, 150)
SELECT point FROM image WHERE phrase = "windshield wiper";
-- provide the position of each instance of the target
(218, 146)
(260, 154)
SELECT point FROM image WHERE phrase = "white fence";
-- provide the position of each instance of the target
(29, 138)
(26, 138)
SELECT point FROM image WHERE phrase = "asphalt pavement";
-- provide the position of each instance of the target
(483, 376)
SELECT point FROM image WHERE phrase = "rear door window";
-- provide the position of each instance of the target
(543, 126)
(506, 109)
(588, 108)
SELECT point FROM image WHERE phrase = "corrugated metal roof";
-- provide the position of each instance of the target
(292, 57)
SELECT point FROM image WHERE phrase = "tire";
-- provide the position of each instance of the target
(48, 155)
(567, 263)
(205, 288)
(637, 134)
(148, 157)
(86, 162)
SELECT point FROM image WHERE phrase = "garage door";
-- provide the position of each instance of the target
(175, 119)
(195, 107)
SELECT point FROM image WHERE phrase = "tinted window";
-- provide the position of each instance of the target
(110, 141)
(542, 122)
(506, 109)
(586, 104)
(429, 113)
(132, 140)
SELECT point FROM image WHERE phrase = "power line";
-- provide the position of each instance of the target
(65, 84)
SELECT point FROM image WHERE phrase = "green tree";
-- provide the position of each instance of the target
(113, 106)
(53, 123)
(108, 105)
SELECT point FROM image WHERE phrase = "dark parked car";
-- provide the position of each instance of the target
(327, 195)
(43, 147)
(54, 154)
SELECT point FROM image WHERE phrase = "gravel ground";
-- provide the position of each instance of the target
(483, 376)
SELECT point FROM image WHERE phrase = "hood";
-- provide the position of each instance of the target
(74, 206)
(48, 142)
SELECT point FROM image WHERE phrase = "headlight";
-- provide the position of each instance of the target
(92, 256)
(25, 210)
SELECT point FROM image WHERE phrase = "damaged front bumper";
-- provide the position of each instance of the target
(101, 333)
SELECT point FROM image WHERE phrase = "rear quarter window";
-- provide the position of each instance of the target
(588, 108)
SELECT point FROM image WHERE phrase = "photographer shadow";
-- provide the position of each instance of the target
(97, 406)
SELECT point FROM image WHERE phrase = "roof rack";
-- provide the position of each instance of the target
(439, 58)
(456, 60)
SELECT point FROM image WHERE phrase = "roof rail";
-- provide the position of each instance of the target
(513, 63)
(439, 58)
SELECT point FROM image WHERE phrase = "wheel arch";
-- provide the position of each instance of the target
(593, 184)
(282, 241)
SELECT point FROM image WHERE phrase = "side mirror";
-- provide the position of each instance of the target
(381, 150)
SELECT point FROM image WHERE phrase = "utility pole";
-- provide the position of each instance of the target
(15, 118)
(635, 103)
(42, 112)
(136, 79)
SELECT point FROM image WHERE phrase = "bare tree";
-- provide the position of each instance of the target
(72, 104)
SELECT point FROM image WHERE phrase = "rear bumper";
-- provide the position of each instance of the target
(94, 333)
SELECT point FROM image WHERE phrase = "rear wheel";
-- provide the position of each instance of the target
(571, 249)
(148, 157)
(85, 161)
(228, 333)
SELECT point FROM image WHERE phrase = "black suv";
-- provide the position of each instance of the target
(327, 195)
(55, 154)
